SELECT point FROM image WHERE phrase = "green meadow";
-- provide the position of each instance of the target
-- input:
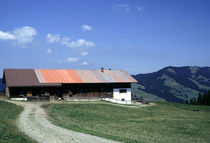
(162, 122)
(9, 132)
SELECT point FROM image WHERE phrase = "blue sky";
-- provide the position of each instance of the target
(139, 36)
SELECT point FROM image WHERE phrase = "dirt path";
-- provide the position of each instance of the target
(33, 122)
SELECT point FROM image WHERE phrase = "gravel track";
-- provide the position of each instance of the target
(33, 122)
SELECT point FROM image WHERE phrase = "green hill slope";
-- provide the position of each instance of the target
(175, 84)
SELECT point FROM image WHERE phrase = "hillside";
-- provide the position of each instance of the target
(175, 84)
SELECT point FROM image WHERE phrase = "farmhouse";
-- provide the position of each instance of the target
(50, 84)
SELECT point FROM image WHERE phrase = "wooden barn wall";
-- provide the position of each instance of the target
(70, 90)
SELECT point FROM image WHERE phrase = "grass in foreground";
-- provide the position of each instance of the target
(163, 122)
(9, 133)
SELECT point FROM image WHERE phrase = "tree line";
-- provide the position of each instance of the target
(202, 99)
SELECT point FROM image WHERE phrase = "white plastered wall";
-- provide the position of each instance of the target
(120, 96)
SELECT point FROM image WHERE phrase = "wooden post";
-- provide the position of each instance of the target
(7, 92)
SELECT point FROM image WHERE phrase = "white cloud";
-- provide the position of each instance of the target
(24, 35)
(89, 44)
(84, 63)
(126, 7)
(49, 51)
(72, 59)
(21, 35)
(86, 27)
(6, 36)
(65, 41)
(122, 7)
(52, 38)
(84, 53)
(139, 8)
(78, 43)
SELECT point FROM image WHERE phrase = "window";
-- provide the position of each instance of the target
(123, 91)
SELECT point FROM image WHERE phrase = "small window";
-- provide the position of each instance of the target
(123, 91)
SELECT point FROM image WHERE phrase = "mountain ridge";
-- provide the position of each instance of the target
(174, 84)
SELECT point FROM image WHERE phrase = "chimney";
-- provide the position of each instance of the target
(102, 69)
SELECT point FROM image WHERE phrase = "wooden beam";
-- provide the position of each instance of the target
(7, 92)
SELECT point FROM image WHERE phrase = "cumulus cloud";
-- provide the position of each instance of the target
(84, 53)
(81, 44)
(52, 38)
(72, 59)
(86, 27)
(24, 35)
(6, 36)
(21, 35)
(49, 51)
(121, 7)
(78, 43)
(84, 63)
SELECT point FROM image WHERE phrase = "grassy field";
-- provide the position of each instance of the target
(163, 122)
(9, 133)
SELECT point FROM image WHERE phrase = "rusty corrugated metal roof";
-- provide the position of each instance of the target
(51, 77)
(86, 76)
(60, 76)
